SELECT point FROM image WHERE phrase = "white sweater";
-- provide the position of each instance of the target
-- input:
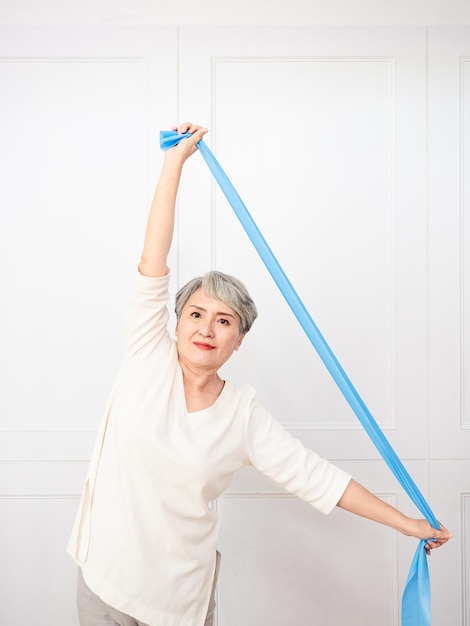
(144, 534)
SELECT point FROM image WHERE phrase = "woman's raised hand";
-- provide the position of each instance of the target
(187, 146)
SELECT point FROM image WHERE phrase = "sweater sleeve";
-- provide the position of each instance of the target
(286, 461)
(147, 318)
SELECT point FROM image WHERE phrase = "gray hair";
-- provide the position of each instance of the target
(225, 288)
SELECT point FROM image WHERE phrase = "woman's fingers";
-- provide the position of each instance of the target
(185, 127)
(443, 535)
(188, 127)
(440, 538)
(195, 130)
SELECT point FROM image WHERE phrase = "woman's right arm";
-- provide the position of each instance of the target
(160, 224)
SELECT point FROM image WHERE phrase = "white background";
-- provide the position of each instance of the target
(345, 130)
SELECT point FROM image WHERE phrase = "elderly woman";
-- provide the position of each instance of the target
(173, 434)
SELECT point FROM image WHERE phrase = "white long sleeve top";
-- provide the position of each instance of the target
(144, 535)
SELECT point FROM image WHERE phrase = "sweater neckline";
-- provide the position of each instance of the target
(217, 401)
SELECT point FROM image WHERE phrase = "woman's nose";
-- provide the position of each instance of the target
(207, 330)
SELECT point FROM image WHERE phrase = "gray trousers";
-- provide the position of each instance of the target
(92, 611)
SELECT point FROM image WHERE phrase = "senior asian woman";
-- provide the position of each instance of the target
(173, 434)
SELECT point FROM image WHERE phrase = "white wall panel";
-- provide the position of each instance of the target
(464, 506)
(42, 478)
(322, 132)
(71, 125)
(46, 444)
(78, 158)
(298, 567)
(449, 568)
(38, 577)
(328, 214)
(449, 236)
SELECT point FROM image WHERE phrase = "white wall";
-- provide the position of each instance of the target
(243, 12)
(374, 125)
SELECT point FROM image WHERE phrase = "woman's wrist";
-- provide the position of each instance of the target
(174, 159)
(407, 525)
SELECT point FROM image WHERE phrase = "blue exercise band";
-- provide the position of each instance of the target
(416, 601)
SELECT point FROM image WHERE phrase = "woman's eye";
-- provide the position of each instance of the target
(195, 314)
(223, 321)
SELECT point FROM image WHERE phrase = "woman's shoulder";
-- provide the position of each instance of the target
(242, 398)
(243, 391)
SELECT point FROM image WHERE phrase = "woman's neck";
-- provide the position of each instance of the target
(201, 388)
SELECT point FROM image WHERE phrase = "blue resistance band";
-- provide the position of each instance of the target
(416, 601)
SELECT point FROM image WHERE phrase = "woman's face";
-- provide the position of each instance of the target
(208, 332)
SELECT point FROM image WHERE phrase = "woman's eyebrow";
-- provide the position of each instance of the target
(200, 308)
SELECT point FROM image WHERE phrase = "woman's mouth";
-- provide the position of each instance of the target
(203, 346)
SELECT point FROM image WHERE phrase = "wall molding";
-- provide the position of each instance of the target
(464, 66)
(464, 553)
(40, 496)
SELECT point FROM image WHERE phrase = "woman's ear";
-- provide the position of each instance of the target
(240, 341)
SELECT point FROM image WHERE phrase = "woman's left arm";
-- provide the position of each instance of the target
(357, 499)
